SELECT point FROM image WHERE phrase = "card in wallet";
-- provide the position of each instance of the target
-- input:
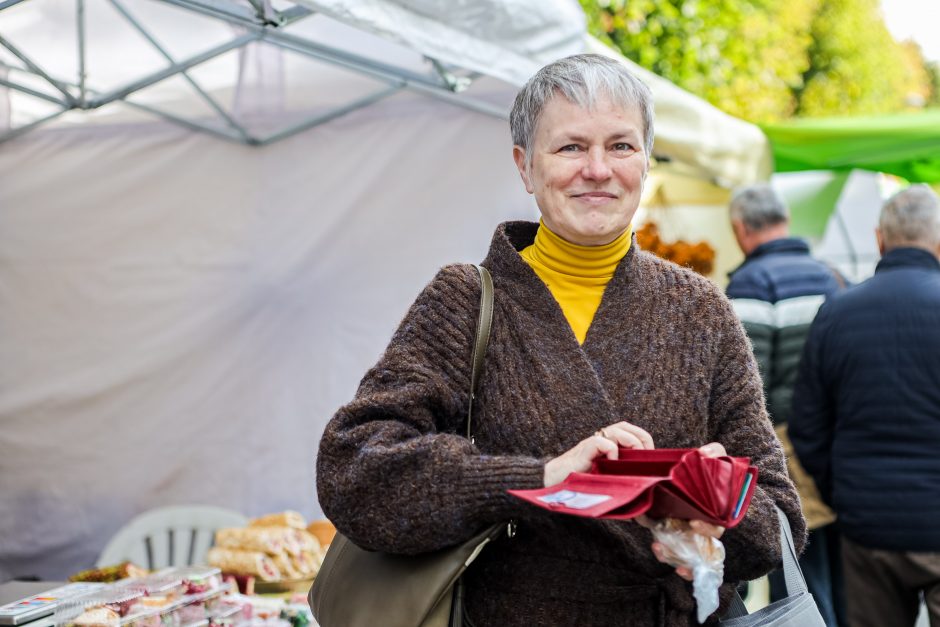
(661, 483)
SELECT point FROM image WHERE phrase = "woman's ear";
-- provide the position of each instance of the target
(518, 155)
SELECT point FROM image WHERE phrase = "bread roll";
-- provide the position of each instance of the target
(98, 616)
(250, 539)
(286, 565)
(287, 518)
(243, 563)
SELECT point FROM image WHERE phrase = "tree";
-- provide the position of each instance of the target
(856, 67)
(744, 57)
(766, 60)
(933, 73)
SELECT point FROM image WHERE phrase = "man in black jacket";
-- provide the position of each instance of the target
(866, 418)
(776, 293)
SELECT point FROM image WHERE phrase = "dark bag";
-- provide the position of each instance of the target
(798, 609)
(360, 588)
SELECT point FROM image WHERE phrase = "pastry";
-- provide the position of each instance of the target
(250, 539)
(287, 518)
(243, 563)
(98, 616)
(286, 565)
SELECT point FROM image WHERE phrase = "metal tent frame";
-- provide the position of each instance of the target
(260, 22)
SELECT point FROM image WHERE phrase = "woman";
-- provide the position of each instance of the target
(594, 344)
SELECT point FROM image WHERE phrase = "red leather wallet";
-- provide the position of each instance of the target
(661, 483)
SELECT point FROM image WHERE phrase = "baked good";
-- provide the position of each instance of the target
(262, 539)
(97, 616)
(288, 537)
(307, 541)
(107, 574)
(242, 562)
(288, 518)
(286, 565)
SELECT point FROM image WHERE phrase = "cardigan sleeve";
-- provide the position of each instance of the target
(392, 472)
(739, 421)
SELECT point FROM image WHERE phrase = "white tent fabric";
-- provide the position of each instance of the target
(180, 316)
(506, 39)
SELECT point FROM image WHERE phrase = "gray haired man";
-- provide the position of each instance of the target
(776, 293)
(866, 418)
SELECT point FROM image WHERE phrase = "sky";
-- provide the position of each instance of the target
(914, 19)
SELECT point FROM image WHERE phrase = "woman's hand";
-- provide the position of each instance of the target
(666, 557)
(712, 449)
(603, 443)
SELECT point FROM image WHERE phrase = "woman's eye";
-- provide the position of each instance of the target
(622, 147)
(570, 148)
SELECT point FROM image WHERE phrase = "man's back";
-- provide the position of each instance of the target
(779, 270)
(872, 362)
(776, 293)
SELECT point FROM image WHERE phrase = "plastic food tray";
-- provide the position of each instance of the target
(128, 607)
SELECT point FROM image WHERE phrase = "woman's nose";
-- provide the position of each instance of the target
(596, 167)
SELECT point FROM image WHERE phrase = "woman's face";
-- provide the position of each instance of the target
(587, 169)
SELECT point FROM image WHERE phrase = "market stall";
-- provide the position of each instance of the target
(200, 254)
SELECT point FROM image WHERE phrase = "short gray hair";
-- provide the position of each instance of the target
(911, 217)
(759, 207)
(583, 79)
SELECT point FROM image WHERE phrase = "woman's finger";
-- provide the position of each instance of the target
(623, 437)
(641, 434)
(713, 449)
(706, 529)
(603, 446)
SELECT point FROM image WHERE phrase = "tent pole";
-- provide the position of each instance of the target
(80, 25)
(410, 80)
(8, 3)
(331, 115)
(121, 93)
(38, 70)
(166, 55)
(195, 126)
(28, 127)
(229, 12)
(853, 254)
(33, 92)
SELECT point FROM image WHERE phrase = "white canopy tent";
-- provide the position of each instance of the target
(180, 315)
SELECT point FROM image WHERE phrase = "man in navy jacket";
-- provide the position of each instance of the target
(776, 293)
(866, 418)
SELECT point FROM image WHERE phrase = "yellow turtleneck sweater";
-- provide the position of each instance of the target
(575, 275)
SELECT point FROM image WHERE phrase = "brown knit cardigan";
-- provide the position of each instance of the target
(665, 352)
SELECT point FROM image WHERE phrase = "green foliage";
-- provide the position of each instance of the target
(933, 78)
(856, 67)
(767, 60)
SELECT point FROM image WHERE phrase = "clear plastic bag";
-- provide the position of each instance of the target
(703, 555)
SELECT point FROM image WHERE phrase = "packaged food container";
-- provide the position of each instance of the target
(176, 582)
(106, 607)
(173, 597)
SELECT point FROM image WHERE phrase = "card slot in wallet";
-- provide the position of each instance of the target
(590, 496)
(675, 483)
(605, 466)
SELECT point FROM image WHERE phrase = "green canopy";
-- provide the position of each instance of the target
(906, 145)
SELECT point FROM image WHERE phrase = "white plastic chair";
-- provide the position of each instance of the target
(178, 535)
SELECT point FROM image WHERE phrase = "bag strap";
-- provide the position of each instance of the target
(484, 323)
(792, 574)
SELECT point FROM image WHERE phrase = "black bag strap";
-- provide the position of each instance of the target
(792, 574)
(484, 323)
